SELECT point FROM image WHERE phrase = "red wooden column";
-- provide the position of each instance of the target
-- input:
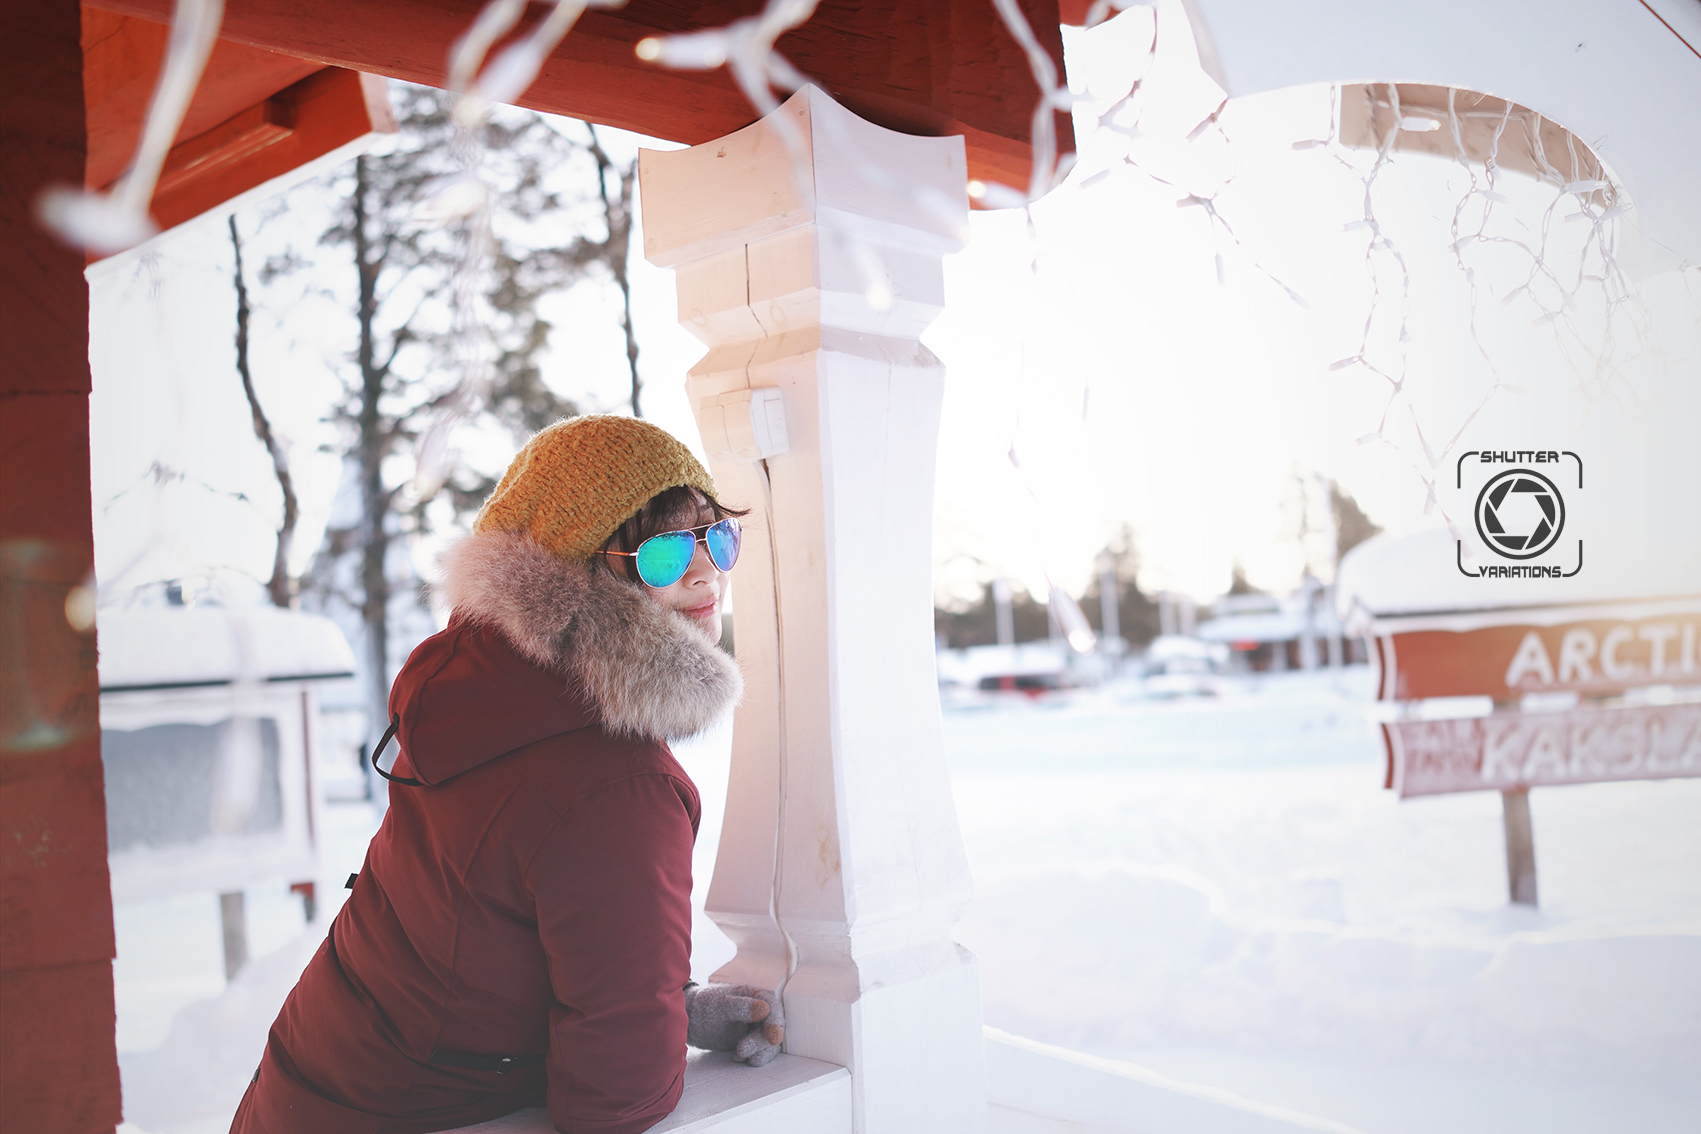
(58, 1060)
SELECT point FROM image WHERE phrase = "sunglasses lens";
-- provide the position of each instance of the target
(664, 559)
(723, 539)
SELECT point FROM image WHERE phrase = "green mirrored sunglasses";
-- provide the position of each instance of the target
(663, 559)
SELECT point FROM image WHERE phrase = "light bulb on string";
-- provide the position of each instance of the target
(104, 223)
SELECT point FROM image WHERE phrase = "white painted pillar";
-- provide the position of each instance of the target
(840, 857)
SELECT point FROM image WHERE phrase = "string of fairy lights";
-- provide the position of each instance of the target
(1557, 292)
(1558, 302)
(467, 203)
(104, 223)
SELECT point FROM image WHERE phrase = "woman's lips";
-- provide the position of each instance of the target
(703, 611)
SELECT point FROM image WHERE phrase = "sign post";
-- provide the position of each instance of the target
(1517, 698)
(1520, 846)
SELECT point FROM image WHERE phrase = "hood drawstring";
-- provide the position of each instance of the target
(408, 781)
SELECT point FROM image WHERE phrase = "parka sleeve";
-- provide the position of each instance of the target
(612, 884)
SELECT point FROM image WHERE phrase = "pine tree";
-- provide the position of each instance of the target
(1352, 526)
(1137, 612)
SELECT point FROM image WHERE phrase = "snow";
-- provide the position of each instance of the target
(1223, 892)
(1216, 890)
(176, 645)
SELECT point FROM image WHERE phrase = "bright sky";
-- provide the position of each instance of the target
(1142, 364)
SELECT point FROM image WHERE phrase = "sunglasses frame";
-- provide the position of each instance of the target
(699, 535)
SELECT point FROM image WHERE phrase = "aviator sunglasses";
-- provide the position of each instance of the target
(663, 559)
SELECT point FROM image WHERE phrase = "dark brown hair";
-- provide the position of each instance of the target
(666, 511)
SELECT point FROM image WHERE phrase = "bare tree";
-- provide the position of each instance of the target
(617, 214)
(280, 586)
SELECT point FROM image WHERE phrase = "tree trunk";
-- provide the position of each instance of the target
(617, 262)
(617, 212)
(369, 448)
(280, 585)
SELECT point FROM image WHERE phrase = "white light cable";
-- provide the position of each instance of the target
(104, 223)
(781, 755)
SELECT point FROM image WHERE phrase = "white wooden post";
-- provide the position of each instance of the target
(841, 868)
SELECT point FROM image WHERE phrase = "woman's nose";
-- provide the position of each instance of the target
(702, 567)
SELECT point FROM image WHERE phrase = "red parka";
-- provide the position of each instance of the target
(520, 932)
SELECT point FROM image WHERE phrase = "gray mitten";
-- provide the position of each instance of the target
(763, 1043)
(739, 1018)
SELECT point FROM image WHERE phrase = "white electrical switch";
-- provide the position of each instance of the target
(746, 425)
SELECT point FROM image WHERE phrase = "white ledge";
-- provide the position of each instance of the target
(790, 1094)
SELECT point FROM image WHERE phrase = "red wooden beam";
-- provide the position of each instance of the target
(121, 64)
(324, 111)
(231, 142)
(255, 116)
(1075, 12)
(57, 1049)
(926, 67)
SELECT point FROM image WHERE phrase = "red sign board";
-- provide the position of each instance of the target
(1523, 750)
(1591, 656)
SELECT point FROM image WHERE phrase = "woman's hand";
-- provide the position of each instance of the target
(742, 1019)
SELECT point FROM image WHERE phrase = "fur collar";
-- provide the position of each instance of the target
(650, 671)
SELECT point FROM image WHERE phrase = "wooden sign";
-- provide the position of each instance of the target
(1606, 660)
(1595, 652)
(1523, 750)
(1564, 695)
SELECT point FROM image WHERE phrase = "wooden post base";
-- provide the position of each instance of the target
(1520, 846)
(233, 918)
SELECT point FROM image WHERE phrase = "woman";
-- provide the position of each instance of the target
(520, 932)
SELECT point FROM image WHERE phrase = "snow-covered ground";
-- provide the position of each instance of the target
(1216, 888)
(1222, 891)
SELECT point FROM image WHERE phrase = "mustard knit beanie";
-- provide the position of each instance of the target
(578, 480)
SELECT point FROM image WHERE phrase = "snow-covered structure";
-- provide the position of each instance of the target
(209, 734)
(1027, 667)
(1265, 632)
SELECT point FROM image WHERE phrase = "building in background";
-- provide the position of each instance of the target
(1267, 634)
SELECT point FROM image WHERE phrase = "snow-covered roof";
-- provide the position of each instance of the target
(1420, 573)
(972, 663)
(1280, 626)
(174, 646)
(1169, 646)
(1284, 625)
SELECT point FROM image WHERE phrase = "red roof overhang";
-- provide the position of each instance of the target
(930, 67)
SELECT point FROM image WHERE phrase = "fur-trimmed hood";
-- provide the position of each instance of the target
(648, 671)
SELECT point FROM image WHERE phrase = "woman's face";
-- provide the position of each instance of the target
(697, 595)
